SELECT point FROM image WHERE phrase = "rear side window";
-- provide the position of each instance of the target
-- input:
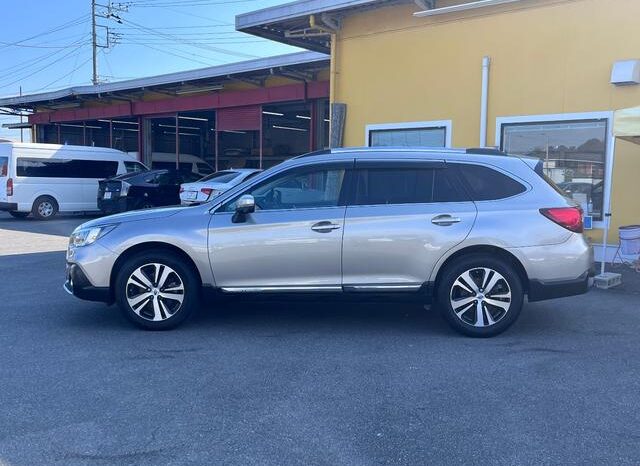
(487, 184)
(65, 168)
(4, 166)
(378, 186)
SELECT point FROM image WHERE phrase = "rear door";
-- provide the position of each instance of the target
(403, 216)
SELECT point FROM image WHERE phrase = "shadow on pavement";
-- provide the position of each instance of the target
(61, 225)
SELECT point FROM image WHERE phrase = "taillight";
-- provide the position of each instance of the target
(9, 187)
(206, 191)
(567, 217)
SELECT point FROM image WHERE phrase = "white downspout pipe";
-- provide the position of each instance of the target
(484, 100)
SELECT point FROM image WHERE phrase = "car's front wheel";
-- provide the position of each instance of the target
(480, 295)
(157, 290)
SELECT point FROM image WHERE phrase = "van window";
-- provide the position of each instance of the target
(184, 166)
(4, 166)
(134, 167)
(486, 184)
(65, 168)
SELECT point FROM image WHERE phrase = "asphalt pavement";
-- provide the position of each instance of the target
(305, 383)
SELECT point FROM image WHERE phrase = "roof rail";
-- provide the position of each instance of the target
(485, 151)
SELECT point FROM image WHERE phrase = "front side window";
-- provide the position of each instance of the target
(297, 189)
(413, 137)
(573, 154)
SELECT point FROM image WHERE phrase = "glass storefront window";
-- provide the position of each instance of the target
(423, 137)
(573, 155)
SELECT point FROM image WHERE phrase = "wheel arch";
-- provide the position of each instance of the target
(146, 247)
(483, 249)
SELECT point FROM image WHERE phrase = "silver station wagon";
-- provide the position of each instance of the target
(471, 231)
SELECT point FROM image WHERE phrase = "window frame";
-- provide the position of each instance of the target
(343, 198)
(572, 117)
(433, 124)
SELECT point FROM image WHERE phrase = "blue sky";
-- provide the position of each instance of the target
(46, 45)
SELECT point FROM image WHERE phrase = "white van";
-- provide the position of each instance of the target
(44, 179)
(188, 163)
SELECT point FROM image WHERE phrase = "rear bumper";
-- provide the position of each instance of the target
(78, 285)
(114, 206)
(8, 206)
(540, 290)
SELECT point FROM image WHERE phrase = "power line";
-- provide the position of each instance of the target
(185, 41)
(66, 25)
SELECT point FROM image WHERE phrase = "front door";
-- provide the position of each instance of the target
(404, 216)
(292, 242)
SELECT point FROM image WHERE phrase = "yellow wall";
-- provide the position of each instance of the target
(547, 57)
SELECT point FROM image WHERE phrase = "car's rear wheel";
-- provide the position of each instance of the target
(16, 214)
(157, 290)
(480, 295)
(44, 208)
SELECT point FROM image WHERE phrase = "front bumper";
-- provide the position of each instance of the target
(8, 206)
(78, 285)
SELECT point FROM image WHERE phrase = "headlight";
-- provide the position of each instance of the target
(124, 190)
(86, 236)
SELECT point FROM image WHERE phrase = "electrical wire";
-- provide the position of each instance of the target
(188, 42)
(66, 25)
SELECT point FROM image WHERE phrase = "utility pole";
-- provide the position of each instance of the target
(21, 130)
(94, 43)
(108, 13)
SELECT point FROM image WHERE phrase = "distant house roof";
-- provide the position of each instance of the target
(277, 22)
(257, 68)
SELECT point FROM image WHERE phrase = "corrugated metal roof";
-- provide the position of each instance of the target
(239, 68)
(293, 10)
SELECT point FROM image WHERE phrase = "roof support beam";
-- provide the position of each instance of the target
(258, 82)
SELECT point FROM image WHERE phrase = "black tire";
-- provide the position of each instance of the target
(170, 313)
(44, 208)
(465, 320)
(15, 214)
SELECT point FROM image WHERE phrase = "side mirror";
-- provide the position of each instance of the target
(246, 204)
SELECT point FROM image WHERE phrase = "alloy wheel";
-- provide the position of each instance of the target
(480, 297)
(155, 292)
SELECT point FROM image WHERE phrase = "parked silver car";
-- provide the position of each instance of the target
(213, 185)
(470, 231)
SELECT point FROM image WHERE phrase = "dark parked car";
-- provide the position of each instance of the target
(142, 190)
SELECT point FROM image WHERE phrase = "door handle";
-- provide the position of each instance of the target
(324, 227)
(445, 220)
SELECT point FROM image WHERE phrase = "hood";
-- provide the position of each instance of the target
(134, 216)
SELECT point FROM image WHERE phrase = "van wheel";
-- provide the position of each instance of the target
(480, 295)
(44, 208)
(15, 214)
(157, 290)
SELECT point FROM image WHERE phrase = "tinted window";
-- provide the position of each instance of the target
(424, 137)
(486, 184)
(376, 186)
(4, 166)
(220, 177)
(62, 168)
(134, 167)
(204, 168)
(183, 166)
(297, 189)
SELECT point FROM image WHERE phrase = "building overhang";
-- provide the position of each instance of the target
(305, 23)
(204, 80)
